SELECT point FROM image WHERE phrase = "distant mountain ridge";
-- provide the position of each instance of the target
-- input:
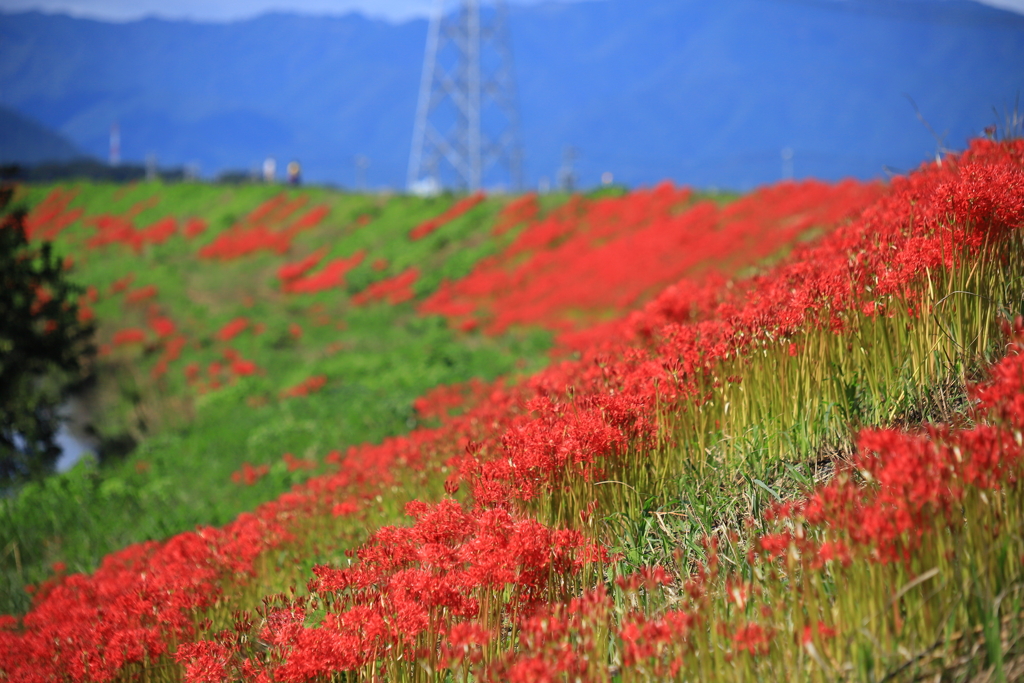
(702, 93)
(25, 141)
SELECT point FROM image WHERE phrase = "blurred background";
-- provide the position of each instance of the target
(724, 94)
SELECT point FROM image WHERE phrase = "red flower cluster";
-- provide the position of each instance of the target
(120, 229)
(94, 628)
(51, 216)
(461, 207)
(411, 585)
(441, 401)
(919, 480)
(194, 227)
(132, 335)
(330, 276)
(306, 387)
(290, 272)
(461, 572)
(162, 326)
(268, 227)
(293, 464)
(239, 366)
(522, 210)
(232, 329)
(141, 294)
(613, 253)
(173, 346)
(249, 475)
(140, 206)
(122, 283)
(395, 289)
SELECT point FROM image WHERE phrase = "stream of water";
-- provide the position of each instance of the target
(72, 437)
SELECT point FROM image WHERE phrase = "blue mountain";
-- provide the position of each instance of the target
(705, 93)
(29, 142)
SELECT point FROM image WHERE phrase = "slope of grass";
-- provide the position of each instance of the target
(376, 359)
(786, 475)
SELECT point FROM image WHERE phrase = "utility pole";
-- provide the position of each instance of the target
(115, 144)
(362, 163)
(567, 174)
(787, 163)
(467, 118)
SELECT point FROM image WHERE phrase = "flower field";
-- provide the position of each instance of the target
(776, 438)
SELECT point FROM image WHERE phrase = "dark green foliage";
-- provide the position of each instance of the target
(43, 348)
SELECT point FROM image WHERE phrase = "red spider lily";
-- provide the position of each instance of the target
(644, 639)
(51, 216)
(821, 629)
(306, 387)
(752, 638)
(238, 366)
(43, 296)
(232, 329)
(440, 401)
(205, 661)
(195, 227)
(249, 475)
(571, 260)
(140, 206)
(521, 210)
(159, 232)
(132, 335)
(330, 276)
(122, 284)
(464, 643)
(141, 294)
(120, 229)
(395, 290)
(916, 480)
(345, 508)
(460, 208)
(85, 314)
(265, 228)
(173, 347)
(295, 464)
(292, 271)
(243, 368)
(520, 442)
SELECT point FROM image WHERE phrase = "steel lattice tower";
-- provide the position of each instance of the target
(467, 119)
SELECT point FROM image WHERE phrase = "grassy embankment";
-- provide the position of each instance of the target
(377, 358)
(671, 442)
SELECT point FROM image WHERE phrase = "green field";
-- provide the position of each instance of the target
(377, 359)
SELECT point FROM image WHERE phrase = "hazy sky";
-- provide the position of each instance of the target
(226, 10)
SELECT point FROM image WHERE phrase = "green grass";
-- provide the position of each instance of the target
(378, 359)
(950, 612)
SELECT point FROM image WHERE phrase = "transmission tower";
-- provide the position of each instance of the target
(467, 119)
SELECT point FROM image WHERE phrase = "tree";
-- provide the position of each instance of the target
(44, 347)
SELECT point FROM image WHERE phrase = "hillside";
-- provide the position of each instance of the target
(237, 324)
(23, 141)
(778, 436)
(704, 94)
